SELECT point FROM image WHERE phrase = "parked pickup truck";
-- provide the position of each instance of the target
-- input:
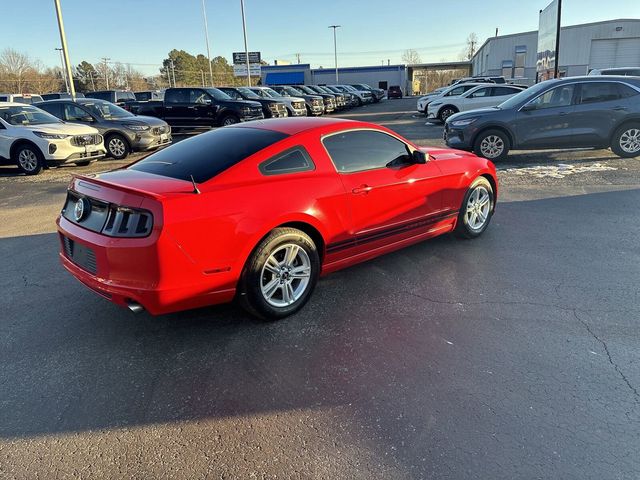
(193, 107)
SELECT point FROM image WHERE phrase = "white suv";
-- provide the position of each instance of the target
(33, 139)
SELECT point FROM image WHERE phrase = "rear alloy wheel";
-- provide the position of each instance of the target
(117, 147)
(476, 210)
(626, 141)
(230, 120)
(492, 144)
(280, 274)
(445, 113)
(29, 159)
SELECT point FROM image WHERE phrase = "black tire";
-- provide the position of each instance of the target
(229, 119)
(256, 274)
(29, 159)
(626, 141)
(496, 149)
(359, 102)
(464, 226)
(445, 112)
(117, 146)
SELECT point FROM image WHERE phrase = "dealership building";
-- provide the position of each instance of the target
(612, 43)
(382, 76)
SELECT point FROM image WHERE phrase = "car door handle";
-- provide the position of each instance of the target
(364, 188)
(620, 108)
(191, 107)
(169, 108)
(562, 114)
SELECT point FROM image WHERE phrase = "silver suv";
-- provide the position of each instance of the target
(295, 105)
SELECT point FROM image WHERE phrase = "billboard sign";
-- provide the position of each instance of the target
(548, 32)
(240, 58)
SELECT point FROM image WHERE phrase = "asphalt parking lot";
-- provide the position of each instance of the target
(511, 356)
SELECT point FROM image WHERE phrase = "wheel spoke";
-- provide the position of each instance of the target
(287, 293)
(270, 288)
(272, 265)
(301, 272)
(290, 255)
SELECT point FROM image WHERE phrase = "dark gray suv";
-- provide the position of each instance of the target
(123, 131)
(577, 112)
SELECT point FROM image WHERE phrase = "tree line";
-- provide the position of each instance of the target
(21, 74)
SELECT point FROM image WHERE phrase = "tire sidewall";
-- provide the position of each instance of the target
(462, 228)
(229, 117)
(487, 133)
(251, 292)
(126, 147)
(615, 144)
(441, 115)
(36, 151)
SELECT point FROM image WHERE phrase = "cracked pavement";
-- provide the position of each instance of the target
(511, 356)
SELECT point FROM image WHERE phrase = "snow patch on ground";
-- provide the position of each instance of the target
(558, 171)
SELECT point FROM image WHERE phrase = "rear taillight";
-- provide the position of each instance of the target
(128, 222)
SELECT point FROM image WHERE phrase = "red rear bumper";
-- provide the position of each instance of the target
(154, 272)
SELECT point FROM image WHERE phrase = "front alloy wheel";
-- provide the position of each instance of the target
(492, 144)
(118, 147)
(626, 142)
(280, 275)
(29, 160)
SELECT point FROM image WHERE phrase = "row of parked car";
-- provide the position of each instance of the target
(53, 129)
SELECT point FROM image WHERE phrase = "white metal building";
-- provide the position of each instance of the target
(612, 43)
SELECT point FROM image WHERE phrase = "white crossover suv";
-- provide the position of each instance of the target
(34, 139)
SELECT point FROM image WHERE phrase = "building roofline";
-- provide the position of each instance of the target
(580, 25)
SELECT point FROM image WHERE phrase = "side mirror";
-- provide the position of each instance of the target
(529, 107)
(88, 118)
(419, 157)
(207, 101)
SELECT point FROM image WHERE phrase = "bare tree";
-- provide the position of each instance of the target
(411, 56)
(471, 48)
(14, 68)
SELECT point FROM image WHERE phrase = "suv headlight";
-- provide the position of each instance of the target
(136, 127)
(51, 136)
(463, 123)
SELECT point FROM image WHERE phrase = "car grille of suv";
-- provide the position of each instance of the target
(82, 256)
(82, 140)
(298, 105)
(317, 102)
(160, 130)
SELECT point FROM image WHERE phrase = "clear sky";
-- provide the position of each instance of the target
(141, 32)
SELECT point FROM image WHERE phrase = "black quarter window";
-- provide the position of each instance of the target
(597, 92)
(360, 150)
(295, 160)
(626, 91)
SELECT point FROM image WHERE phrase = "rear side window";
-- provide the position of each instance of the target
(179, 95)
(295, 160)
(626, 91)
(501, 91)
(556, 97)
(597, 92)
(208, 154)
(53, 108)
(360, 150)
(101, 95)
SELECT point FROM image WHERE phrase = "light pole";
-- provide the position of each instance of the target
(64, 73)
(246, 48)
(206, 36)
(65, 52)
(335, 48)
(106, 71)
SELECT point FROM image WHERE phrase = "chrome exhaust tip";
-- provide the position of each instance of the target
(135, 307)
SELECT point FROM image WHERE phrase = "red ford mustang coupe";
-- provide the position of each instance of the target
(259, 211)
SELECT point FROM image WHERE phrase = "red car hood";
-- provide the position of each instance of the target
(444, 153)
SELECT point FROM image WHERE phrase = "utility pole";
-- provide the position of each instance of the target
(335, 48)
(298, 58)
(106, 70)
(173, 71)
(206, 36)
(202, 76)
(64, 74)
(246, 48)
(65, 51)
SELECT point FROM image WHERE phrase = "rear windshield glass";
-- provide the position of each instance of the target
(208, 154)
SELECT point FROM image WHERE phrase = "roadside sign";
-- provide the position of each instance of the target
(240, 58)
(241, 70)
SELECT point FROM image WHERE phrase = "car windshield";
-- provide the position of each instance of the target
(25, 115)
(270, 92)
(350, 88)
(293, 91)
(218, 94)
(207, 154)
(106, 110)
(246, 93)
(306, 89)
(523, 96)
